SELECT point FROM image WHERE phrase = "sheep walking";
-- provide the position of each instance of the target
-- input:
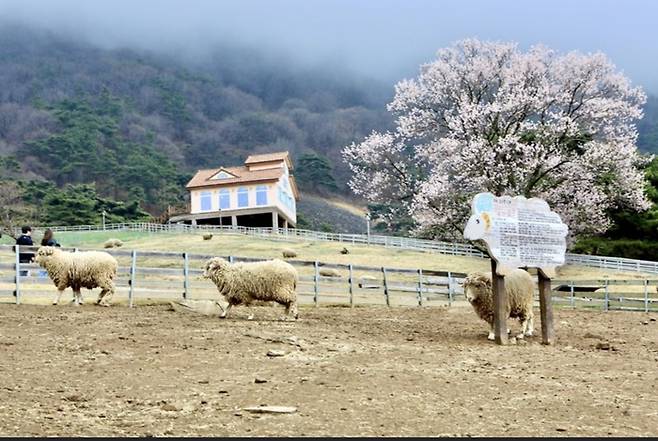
(246, 282)
(520, 290)
(89, 269)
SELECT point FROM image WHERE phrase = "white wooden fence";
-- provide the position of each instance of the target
(450, 248)
(151, 275)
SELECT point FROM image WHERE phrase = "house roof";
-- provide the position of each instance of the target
(269, 157)
(202, 178)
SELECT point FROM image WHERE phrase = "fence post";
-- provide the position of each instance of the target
(450, 288)
(231, 259)
(18, 275)
(186, 274)
(388, 301)
(646, 296)
(420, 287)
(351, 288)
(316, 281)
(573, 300)
(607, 297)
(133, 270)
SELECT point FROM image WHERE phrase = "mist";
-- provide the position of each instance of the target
(384, 40)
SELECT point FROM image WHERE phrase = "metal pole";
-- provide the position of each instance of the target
(133, 270)
(351, 288)
(420, 287)
(388, 301)
(450, 288)
(573, 300)
(607, 297)
(646, 296)
(18, 275)
(316, 281)
(186, 273)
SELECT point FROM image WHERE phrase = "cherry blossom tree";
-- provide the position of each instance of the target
(486, 116)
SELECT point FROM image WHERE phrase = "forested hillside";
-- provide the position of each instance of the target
(139, 124)
(85, 129)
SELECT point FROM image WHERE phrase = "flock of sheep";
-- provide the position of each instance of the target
(270, 281)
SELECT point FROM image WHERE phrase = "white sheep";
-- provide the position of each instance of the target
(287, 252)
(88, 269)
(246, 282)
(113, 243)
(520, 289)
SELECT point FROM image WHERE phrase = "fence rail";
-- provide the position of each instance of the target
(408, 243)
(149, 275)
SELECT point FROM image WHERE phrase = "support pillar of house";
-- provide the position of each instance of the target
(234, 221)
(275, 222)
(285, 223)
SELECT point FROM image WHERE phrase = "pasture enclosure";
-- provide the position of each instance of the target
(148, 276)
(406, 243)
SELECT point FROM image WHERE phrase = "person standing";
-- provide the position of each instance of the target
(25, 239)
(48, 239)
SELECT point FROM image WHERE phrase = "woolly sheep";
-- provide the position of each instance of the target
(111, 243)
(89, 269)
(247, 282)
(329, 272)
(520, 289)
(207, 236)
(287, 252)
(344, 251)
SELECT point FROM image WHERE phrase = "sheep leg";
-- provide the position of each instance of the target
(529, 326)
(225, 311)
(491, 335)
(78, 297)
(104, 292)
(292, 308)
(57, 296)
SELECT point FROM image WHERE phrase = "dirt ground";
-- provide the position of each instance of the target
(368, 371)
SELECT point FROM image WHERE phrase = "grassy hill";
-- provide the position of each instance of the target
(327, 252)
(330, 214)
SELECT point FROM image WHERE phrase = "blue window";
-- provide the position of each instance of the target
(243, 197)
(206, 203)
(261, 195)
(224, 199)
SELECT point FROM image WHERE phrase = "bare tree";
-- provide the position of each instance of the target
(13, 212)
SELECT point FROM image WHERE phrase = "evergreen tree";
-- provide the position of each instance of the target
(314, 172)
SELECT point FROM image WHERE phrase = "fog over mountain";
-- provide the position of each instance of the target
(383, 39)
(125, 100)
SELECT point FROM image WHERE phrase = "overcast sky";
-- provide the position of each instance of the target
(385, 39)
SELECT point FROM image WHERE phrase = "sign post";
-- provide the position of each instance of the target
(519, 232)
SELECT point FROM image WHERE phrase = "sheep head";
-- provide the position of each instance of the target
(475, 285)
(44, 254)
(213, 266)
(478, 226)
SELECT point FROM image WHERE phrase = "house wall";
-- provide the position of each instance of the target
(272, 198)
(285, 203)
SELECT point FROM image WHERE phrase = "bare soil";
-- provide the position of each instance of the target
(368, 371)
